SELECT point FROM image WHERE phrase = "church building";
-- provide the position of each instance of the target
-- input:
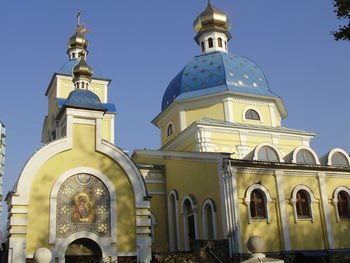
(227, 168)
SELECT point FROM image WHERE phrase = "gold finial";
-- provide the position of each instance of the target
(78, 40)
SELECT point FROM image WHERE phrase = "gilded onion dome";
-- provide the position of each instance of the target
(211, 18)
(82, 69)
(78, 40)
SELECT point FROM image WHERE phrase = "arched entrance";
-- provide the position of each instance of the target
(83, 250)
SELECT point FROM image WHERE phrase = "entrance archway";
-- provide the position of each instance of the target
(83, 250)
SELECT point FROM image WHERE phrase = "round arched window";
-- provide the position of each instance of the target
(171, 129)
(252, 115)
(305, 157)
(338, 159)
(266, 153)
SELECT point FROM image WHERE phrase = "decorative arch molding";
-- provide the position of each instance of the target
(194, 208)
(336, 150)
(310, 201)
(304, 147)
(267, 200)
(335, 199)
(261, 119)
(48, 151)
(153, 225)
(209, 202)
(173, 220)
(61, 245)
(261, 145)
(62, 179)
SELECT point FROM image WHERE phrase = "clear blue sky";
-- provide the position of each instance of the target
(142, 45)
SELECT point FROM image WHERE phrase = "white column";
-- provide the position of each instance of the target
(282, 209)
(228, 110)
(327, 217)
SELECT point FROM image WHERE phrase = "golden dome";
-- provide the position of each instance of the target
(211, 18)
(82, 69)
(78, 40)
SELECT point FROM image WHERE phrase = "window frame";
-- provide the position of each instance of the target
(194, 208)
(335, 202)
(304, 147)
(172, 126)
(253, 109)
(334, 151)
(210, 42)
(211, 203)
(311, 200)
(267, 198)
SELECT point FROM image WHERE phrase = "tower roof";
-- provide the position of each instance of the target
(82, 69)
(211, 18)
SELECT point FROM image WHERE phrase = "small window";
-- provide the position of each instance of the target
(266, 153)
(210, 42)
(219, 42)
(257, 204)
(252, 115)
(202, 45)
(338, 159)
(73, 55)
(305, 157)
(343, 205)
(303, 205)
(171, 129)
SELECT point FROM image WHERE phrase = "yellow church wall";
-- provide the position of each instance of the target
(106, 129)
(158, 207)
(225, 142)
(188, 145)
(341, 229)
(305, 234)
(288, 145)
(270, 231)
(253, 141)
(264, 112)
(164, 129)
(215, 111)
(81, 155)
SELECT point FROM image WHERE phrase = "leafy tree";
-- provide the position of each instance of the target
(343, 13)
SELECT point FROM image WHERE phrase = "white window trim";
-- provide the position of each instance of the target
(335, 200)
(254, 109)
(171, 240)
(337, 150)
(167, 127)
(211, 203)
(257, 149)
(304, 147)
(247, 201)
(294, 201)
(153, 224)
(185, 222)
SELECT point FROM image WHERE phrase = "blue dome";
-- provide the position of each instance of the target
(214, 73)
(67, 69)
(84, 99)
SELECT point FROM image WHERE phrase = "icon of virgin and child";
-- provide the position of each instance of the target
(83, 207)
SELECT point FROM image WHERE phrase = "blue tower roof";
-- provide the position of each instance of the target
(67, 69)
(84, 99)
(214, 73)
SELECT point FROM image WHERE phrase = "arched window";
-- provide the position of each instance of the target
(210, 43)
(343, 204)
(189, 212)
(305, 157)
(203, 47)
(302, 199)
(268, 154)
(219, 42)
(252, 115)
(341, 201)
(257, 204)
(339, 159)
(173, 223)
(73, 55)
(170, 129)
(209, 219)
(303, 204)
(256, 199)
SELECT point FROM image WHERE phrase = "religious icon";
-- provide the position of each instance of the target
(83, 207)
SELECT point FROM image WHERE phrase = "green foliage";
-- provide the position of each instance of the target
(343, 13)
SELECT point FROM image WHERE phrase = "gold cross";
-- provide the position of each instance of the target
(81, 27)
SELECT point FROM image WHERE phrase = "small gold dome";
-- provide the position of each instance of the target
(211, 18)
(82, 69)
(78, 40)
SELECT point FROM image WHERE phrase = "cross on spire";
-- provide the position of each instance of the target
(81, 27)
